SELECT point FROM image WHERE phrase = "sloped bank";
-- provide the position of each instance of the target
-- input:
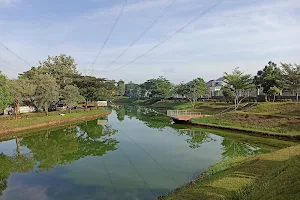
(261, 124)
(274, 175)
(12, 126)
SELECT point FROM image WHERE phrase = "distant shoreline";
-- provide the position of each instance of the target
(8, 131)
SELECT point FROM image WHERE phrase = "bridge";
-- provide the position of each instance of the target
(184, 115)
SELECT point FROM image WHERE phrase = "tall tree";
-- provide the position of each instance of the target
(270, 76)
(5, 97)
(46, 93)
(181, 89)
(239, 82)
(61, 67)
(292, 78)
(196, 89)
(160, 88)
(21, 90)
(71, 95)
(121, 87)
(95, 89)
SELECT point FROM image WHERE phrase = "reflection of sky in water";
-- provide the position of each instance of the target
(147, 163)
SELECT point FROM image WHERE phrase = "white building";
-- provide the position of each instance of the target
(22, 109)
(215, 86)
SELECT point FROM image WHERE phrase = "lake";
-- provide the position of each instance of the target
(135, 153)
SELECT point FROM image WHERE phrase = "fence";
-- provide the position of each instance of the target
(183, 113)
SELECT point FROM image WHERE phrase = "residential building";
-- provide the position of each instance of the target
(215, 86)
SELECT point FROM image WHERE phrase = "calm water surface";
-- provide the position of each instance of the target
(135, 153)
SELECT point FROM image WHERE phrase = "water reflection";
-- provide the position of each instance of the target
(151, 118)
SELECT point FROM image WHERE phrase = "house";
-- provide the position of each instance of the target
(215, 86)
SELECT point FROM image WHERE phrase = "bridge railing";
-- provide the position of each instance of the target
(177, 113)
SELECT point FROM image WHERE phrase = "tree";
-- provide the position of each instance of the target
(71, 95)
(273, 91)
(196, 89)
(5, 97)
(181, 89)
(133, 90)
(228, 94)
(269, 77)
(46, 93)
(121, 87)
(95, 89)
(87, 86)
(239, 84)
(61, 67)
(292, 78)
(159, 88)
(21, 90)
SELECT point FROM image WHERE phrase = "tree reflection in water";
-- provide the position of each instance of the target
(57, 147)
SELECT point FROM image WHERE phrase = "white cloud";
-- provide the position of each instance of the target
(5, 3)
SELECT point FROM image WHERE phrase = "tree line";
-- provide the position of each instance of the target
(55, 79)
(271, 80)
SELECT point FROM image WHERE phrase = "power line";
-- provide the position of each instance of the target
(13, 66)
(111, 31)
(145, 31)
(172, 35)
(153, 159)
(5, 47)
(137, 172)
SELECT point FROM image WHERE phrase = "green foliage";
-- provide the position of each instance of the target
(5, 168)
(53, 148)
(121, 87)
(270, 76)
(228, 94)
(5, 97)
(95, 89)
(61, 67)
(159, 88)
(71, 95)
(196, 89)
(273, 91)
(47, 91)
(239, 83)
(181, 89)
(120, 113)
(291, 76)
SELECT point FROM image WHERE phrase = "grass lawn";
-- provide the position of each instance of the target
(268, 176)
(208, 108)
(277, 125)
(290, 109)
(10, 124)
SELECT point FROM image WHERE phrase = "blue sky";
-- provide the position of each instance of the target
(238, 33)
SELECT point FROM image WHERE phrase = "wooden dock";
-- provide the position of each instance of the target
(183, 115)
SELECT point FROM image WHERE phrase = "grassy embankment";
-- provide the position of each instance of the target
(268, 176)
(37, 121)
(278, 119)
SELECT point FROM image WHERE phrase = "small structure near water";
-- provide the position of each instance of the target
(180, 116)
